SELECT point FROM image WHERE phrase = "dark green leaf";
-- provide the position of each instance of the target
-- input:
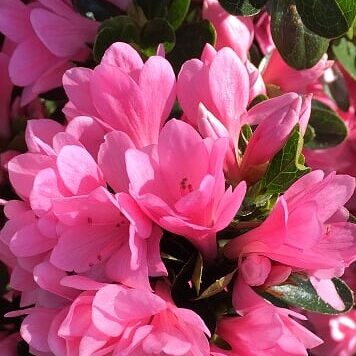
(190, 42)
(328, 128)
(243, 7)
(155, 32)
(327, 18)
(177, 12)
(298, 291)
(286, 167)
(309, 135)
(197, 273)
(119, 28)
(218, 286)
(99, 10)
(298, 46)
(153, 8)
(345, 52)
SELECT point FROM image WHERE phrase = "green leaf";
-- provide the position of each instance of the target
(298, 46)
(345, 52)
(218, 286)
(329, 129)
(243, 7)
(327, 18)
(96, 9)
(153, 33)
(190, 41)
(119, 28)
(298, 291)
(286, 167)
(198, 273)
(153, 8)
(309, 135)
(245, 135)
(177, 12)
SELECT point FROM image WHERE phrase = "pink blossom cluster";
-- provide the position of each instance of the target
(96, 196)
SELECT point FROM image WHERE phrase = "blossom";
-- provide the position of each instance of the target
(110, 318)
(218, 107)
(48, 37)
(307, 231)
(72, 220)
(263, 329)
(228, 27)
(123, 93)
(181, 177)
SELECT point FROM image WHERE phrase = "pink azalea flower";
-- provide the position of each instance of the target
(263, 329)
(48, 36)
(123, 93)
(214, 94)
(72, 219)
(306, 231)
(235, 32)
(112, 319)
(181, 177)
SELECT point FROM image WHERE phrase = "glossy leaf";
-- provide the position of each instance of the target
(190, 42)
(177, 12)
(298, 46)
(329, 129)
(299, 292)
(153, 8)
(243, 7)
(155, 32)
(119, 28)
(345, 52)
(286, 167)
(327, 18)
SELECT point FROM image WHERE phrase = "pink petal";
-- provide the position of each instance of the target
(78, 170)
(28, 241)
(111, 159)
(104, 313)
(29, 60)
(135, 304)
(124, 56)
(88, 131)
(121, 103)
(327, 292)
(157, 82)
(34, 328)
(64, 43)
(81, 247)
(76, 83)
(181, 147)
(15, 20)
(255, 269)
(48, 278)
(39, 135)
(23, 169)
(228, 81)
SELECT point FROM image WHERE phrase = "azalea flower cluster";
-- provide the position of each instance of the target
(140, 229)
